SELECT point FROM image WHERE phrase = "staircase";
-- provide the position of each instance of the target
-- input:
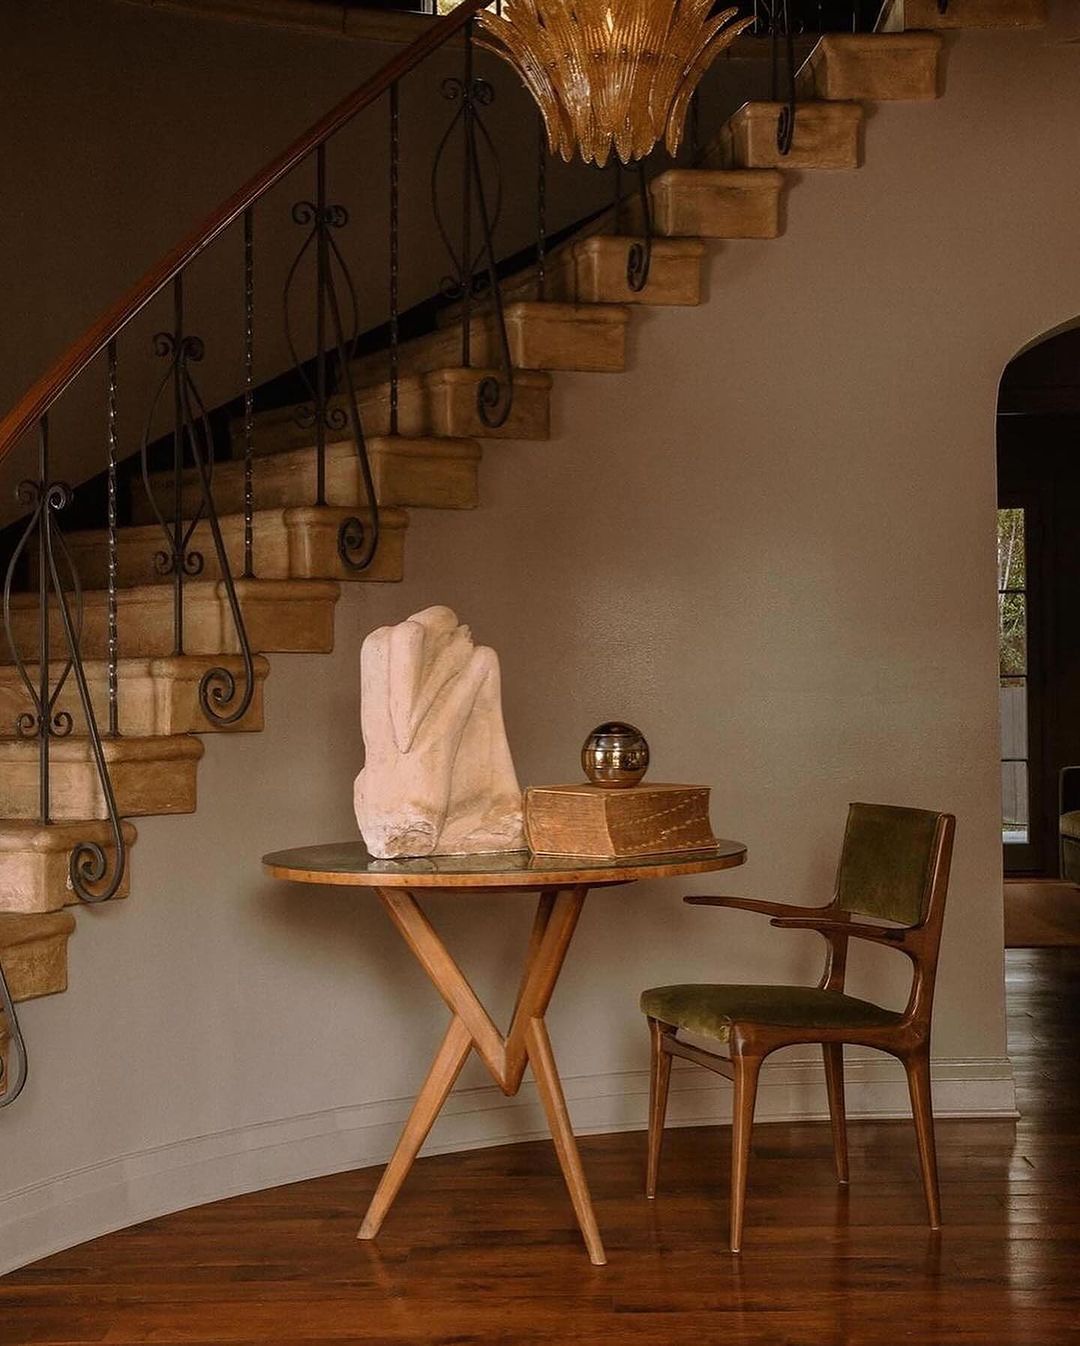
(282, 558)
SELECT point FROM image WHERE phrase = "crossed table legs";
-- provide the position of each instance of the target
(505, 1057)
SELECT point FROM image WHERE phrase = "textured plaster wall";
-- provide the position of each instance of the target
(771, 544)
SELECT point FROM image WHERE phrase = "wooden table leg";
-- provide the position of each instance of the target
(504, 1056)
(444, 1071)
(542, 1060)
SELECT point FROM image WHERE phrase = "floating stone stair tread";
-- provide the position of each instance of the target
(148, 775)
(33, 952)
(290, 616)
(154, 696)
(35, 858)
(593, 271)
(421, 473)
(875, 66)
(587, 337)
(826, 136)
(441, 403)
(717, 202)
(298, 543)
(579, 337)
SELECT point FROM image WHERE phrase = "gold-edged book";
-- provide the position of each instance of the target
(598, 822)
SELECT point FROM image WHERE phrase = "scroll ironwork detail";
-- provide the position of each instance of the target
(336, 332)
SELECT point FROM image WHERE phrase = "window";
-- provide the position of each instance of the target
(1013, 673)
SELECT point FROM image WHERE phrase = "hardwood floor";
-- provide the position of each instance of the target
(1041, 913)
(482, 1248)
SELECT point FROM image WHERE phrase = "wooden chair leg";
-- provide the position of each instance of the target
(833, 1053)
(659, 1079)
(745, 1075)
(918, 1076)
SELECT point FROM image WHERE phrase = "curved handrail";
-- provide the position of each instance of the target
(42, 394)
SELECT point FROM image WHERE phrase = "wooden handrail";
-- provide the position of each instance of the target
(42, 394)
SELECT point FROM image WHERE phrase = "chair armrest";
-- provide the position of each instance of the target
(877, 934)
(755, 904)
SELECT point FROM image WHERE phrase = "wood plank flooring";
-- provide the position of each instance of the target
(482, 1248)
(1041, 913)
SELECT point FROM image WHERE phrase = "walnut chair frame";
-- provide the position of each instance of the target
(907, 1039)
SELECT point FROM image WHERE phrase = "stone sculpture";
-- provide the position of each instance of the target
(438, 778)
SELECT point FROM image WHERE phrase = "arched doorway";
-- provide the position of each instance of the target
(1038, 452)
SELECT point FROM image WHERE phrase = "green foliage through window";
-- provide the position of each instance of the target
(1012, 598)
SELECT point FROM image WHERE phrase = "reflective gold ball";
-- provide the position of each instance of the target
(615, 755)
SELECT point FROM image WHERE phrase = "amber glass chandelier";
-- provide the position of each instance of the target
(610, 74)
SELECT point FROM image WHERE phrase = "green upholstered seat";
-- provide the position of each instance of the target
(711, 1010)
(1069, 824)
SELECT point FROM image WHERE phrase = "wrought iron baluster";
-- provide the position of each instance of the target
(695, 125)
(395, 175)
(44, 718)
(178, 539)
(88, 866)
(639, 258)
(113, 648)
(782, 39)
(322, 268)
(494, 396)
(222, 702)
(249, 393)
(468, 115)
(12, 1081)
(541, 209)
(474, 266)
(357, 542)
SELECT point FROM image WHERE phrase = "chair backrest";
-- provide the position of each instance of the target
(887, 863)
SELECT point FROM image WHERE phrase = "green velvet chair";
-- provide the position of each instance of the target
(894, 869)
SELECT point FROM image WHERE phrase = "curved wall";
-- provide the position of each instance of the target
(772, 546)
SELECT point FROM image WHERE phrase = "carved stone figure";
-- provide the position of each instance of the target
(438, 778)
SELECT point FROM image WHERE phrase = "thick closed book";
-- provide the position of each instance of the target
(599, 822)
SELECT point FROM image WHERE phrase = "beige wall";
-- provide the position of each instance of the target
(771, 544)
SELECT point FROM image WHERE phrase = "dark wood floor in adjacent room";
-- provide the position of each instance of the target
(481, 1248)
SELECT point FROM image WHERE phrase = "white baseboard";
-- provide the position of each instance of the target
(45, 1217)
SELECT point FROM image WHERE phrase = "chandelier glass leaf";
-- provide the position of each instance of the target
(610, 74)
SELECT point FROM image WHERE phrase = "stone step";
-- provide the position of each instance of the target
(300, 543)
(593, 271)
(422, 473)
(33, 951)
(587, 337)
(909, 14)
(149, 776)
(441, 403)
(291, 616)
(717, 203)
(35, 859)
(879, 67)
(154, 696)
(690, 205)
(827, 135)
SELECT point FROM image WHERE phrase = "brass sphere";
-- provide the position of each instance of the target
(615, 755)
